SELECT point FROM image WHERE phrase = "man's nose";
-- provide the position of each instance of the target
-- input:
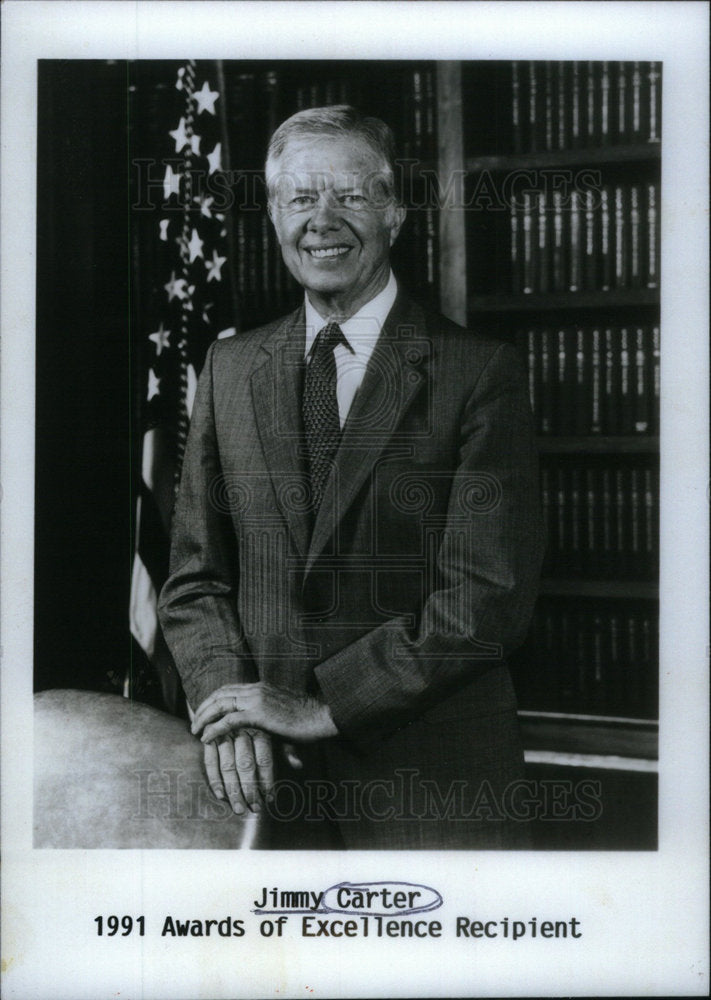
(325, 216)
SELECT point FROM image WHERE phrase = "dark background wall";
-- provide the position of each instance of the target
(83, 410)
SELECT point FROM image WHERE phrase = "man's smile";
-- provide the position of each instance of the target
(322, 253)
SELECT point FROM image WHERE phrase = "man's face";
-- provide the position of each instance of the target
(334, 220)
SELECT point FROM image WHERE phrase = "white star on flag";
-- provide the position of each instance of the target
(195, 144)
(215, 159)
(214, 266)
(195, 246)
(160, 338)
(179, 85)
(163, 226)
(204, 201)
(171, 183)
(205, 98)
(180, 136)
(153, 384)
(175, 288)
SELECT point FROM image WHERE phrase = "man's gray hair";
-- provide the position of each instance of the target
(335, 120)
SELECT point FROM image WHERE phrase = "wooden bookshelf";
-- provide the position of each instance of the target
(642, 590)
(619, 740)
(592, 156)
(631, 298)
(549, 444)
(567, 734)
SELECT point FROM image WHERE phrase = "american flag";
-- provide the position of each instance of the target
(184, 267)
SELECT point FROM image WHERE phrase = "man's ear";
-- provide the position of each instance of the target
(398, 213)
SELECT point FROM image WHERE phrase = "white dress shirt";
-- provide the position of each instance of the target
(361, 331)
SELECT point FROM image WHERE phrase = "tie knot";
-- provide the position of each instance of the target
(329, 337)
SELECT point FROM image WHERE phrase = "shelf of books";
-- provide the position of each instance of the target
(557, 237)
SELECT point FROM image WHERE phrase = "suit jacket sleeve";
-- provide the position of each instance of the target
(197, 604)
(488, 567)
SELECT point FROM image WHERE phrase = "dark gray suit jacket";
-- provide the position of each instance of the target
(399, 599)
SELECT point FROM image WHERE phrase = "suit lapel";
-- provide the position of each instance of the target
(394, 375)
(276, 397)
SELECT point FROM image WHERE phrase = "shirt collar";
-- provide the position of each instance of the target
(360, 330)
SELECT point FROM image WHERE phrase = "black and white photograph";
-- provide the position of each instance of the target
(361, 548)
(411, 601)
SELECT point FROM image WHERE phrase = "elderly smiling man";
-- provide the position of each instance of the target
(357, 539)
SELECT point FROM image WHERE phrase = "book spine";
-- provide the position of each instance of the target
(650, 546)
(590, 243)
(621, 239)
(652, 234)
(635, 244)
(606, 252)
(533, 378)
(599, 674)
(576, 132)
(641, 417)
(575, 243)
(562, 420)
(625, 384)
(528, 246)
(656, 377)
(621, 103)
(430, 251)
(612, 383)
(559, 266)
(581, 383)
(632, 667)
(648, 703)
(596, 387)
(655, 102)
(515, 250)
(516, 107)
(590, 117)
(605, 103)
(430, 151)
(636, 122)
(549, 106)
(562, 137)
(417, 114)
(543, 249)
(533, 109)
(241, 259)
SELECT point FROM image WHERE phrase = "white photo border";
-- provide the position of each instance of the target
(645, 914)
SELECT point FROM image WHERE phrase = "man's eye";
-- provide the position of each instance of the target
(352, 200)
(302, 199)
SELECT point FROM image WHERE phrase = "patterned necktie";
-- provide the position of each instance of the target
(320, 408)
